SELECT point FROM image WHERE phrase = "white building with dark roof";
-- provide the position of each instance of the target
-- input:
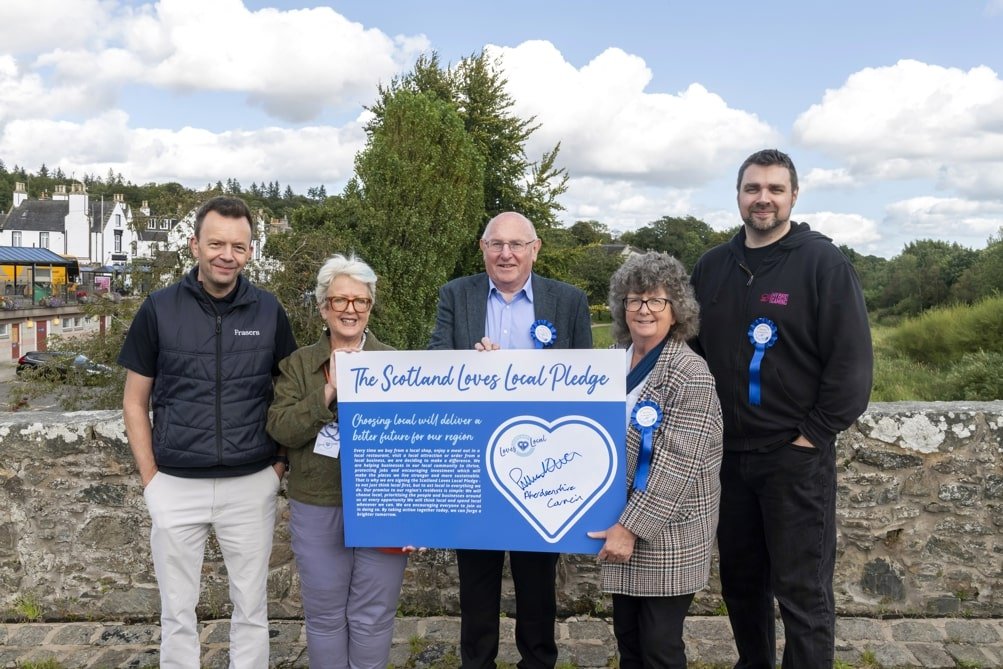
(71, 224)
(157, 234)
(113, 240)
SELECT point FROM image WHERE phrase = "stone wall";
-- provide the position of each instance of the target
(920, 513)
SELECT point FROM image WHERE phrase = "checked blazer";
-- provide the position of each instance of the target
(459, 321)
(676, 516)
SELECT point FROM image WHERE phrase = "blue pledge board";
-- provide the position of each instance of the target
(509, 450)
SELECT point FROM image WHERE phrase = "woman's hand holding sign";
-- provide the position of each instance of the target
(619, 544)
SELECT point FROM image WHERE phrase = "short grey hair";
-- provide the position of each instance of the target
(648, 272)
(338, 265)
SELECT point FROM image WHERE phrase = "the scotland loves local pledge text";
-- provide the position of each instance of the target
(515, 450)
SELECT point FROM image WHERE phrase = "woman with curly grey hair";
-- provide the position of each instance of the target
(658, 554)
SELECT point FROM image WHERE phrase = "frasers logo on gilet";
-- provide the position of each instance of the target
(246, 333)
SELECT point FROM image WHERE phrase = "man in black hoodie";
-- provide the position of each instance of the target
(784, 331)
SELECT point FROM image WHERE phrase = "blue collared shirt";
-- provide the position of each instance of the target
(508, 323)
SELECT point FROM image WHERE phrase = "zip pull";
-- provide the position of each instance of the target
(747, 271)
(219, 324)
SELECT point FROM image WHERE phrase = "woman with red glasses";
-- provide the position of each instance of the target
(349, 594)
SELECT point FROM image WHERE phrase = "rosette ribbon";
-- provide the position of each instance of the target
(543, 332)
(646, 417)
(762, 335)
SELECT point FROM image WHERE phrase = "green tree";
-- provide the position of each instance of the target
(591, 232)
(475, 88)
(921, 276)
(317, 231)
(872, 272)
(984, 277)
(590, 268)
(421, 184)
(684, 238)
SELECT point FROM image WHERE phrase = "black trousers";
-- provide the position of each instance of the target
(480, 603)
(777, 538)
(649, 631)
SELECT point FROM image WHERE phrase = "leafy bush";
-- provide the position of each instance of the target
(943, 336)
(951, 353)
(897, 378)
(977, 376)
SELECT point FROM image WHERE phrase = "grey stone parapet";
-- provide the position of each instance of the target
(919, 523)
(583, 642)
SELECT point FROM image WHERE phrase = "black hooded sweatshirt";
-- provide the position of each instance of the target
(815, 379)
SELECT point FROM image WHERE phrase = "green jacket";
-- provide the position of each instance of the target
(298, 413)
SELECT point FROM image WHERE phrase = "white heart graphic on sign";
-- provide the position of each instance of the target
(552, 473)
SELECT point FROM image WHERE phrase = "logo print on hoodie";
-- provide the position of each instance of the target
(775, 298)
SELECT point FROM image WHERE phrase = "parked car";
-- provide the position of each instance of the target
(60, 365)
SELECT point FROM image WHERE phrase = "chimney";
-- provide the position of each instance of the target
(145, 209)
(77, 223)
(60, 193)
(20, 193)
(119, 197)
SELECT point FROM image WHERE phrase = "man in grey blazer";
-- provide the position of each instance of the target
(491, 311)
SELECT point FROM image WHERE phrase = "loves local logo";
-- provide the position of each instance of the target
(552, 473)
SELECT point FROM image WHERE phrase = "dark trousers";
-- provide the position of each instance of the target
(649, 631)
(480, 603)
(777, 537)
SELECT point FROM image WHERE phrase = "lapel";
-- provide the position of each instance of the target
(475, 302)
(651, 391)
(544, 301)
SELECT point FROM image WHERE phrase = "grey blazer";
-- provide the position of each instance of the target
(459, 320)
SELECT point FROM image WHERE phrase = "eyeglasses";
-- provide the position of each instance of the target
(655, 304)
(339, 303)
(497, 246)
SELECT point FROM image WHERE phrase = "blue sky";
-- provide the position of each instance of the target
(892, 110)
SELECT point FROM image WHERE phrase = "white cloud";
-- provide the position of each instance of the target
(293, 64)
(821, 179)
(609, 126)
(25, 94)
(621, 205)
(850, 229)
(908, 120)
(967, 222)
(981, 181)
(299, 156)
(39, 25)
(994, 7)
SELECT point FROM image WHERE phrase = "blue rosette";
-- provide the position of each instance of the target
(762, 335)
(646, 417)
(543, 333)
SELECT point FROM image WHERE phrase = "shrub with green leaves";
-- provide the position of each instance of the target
(944, 336)
(977, 376)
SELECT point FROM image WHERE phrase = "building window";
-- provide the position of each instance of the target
(15, 238)
(165, 224)
(118, 241)
(43, 240)
(4, 331)
(151, 224)
(118, 220)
